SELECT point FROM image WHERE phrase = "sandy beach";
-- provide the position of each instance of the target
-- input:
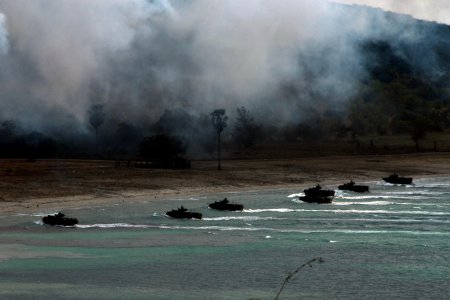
(59, 184)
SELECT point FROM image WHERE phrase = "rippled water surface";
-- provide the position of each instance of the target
(391, 243)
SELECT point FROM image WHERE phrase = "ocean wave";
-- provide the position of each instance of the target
(346, 196)
(412, 232)
(389, 197)
(243, 218)
(384, 183)
(383, 203)
(297, 200)
(22, 215)
(416, 193)
(114, 225)
(375, 203)
(423, 204)
(374, 196)
(219, 228)
(267, 229)
(296, 195)
(350, 211)
(357, 211)
(304, 231)
(40, 214)
(445, 184)
(393, 196)
(281, 210)
(378, 220)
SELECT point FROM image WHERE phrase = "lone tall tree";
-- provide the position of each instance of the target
(219, 121)
(96, 118)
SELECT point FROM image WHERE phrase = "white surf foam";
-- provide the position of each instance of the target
(281, 210)
(374, 203)
(243, 218)
(357, 211)
(113, 225)
(219, 228)
(304, 231)
(296, 195)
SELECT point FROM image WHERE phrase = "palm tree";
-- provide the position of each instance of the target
(219, 121)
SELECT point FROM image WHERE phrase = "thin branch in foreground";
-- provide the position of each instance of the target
(309, 263)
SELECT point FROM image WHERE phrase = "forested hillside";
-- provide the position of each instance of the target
(352, 72)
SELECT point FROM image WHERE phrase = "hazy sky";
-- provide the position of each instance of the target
(434, 10)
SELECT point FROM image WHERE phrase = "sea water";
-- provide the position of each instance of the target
(391, 243)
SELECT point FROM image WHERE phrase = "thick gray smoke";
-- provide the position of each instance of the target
(144, 56)
(4, 44)
(227, 53)
(56, 49)
(140, 57)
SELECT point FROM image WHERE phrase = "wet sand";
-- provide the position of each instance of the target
(50, 185)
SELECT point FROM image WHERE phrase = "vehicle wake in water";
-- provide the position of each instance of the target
(391, 243)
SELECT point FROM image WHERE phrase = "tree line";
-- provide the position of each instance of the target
(394, 98)
(175, 133)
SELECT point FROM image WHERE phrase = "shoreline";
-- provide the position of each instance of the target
(99, 183)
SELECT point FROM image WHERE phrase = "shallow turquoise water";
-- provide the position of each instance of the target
(393, 243)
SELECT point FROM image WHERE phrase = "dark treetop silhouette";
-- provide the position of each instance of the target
(96, 118)
(219, 121)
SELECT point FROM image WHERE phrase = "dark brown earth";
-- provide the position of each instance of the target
(57, 183)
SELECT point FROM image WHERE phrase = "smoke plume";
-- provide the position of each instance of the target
(4, 44)
(144, 56)
(138, 58)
